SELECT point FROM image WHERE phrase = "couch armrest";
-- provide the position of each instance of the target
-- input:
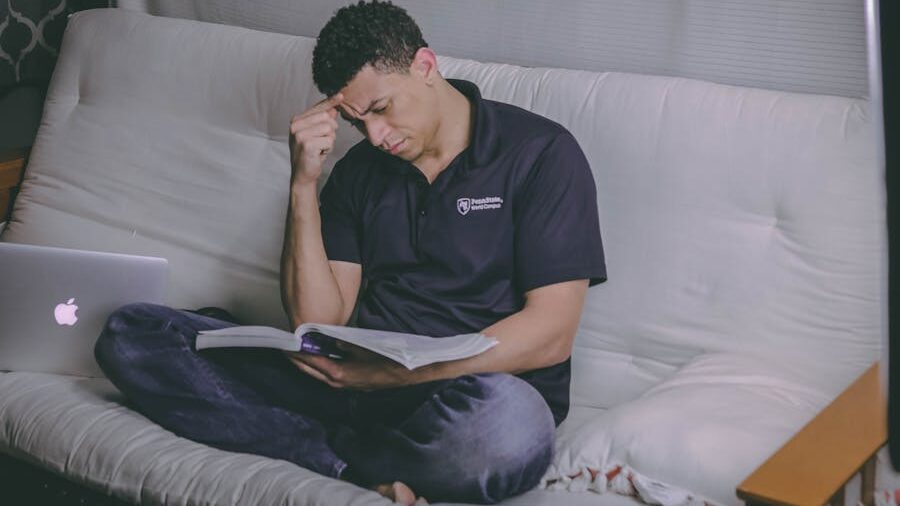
(813, 467)
(12, 167)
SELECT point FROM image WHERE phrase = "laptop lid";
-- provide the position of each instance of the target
(55, 301)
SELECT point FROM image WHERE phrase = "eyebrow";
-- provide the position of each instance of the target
(371, 105)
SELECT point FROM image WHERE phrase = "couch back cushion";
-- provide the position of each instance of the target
(168, 137)
(733, 219)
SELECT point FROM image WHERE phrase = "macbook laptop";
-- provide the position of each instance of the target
(54, 302)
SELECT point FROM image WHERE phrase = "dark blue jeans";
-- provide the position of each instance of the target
(476, 438)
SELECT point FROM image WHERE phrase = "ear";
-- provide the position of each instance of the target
(424, 65)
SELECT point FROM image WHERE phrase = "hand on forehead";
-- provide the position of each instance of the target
(353, 113)
(365, 91)
(326, 105)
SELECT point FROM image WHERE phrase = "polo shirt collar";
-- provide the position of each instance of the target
(484, 133)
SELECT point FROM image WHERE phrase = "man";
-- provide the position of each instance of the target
(456, 214)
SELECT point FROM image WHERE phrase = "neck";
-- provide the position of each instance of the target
(453, 133)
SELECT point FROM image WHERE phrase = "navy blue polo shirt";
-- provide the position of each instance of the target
(514, 211)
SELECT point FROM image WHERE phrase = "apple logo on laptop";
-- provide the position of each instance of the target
(65, 313)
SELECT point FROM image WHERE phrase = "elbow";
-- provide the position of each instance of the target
(312, 312)
(288, 310)
(323, 315)
(562, 349)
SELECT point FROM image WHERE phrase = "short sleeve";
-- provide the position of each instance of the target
(340, 224)
(557, 222)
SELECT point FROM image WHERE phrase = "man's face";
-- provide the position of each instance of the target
(396, 112)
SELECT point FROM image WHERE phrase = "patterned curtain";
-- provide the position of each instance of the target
(30, 35)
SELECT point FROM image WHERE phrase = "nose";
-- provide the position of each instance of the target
(377, 130)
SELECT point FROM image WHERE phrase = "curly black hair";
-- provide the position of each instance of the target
(378, 33)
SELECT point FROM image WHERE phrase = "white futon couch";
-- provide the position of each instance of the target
(744, 233)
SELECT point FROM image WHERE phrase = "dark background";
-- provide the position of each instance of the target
(890, 58)
(30, 35)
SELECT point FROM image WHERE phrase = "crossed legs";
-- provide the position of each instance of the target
(476, 438)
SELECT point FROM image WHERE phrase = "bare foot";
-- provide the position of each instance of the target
(400, 493)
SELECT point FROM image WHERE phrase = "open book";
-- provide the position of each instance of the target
(410, 350)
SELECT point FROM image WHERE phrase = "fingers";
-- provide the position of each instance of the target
(319, 368)
(312, 371)
(319, 129)
(315, 135)
(306, 130)
(319, 146)
(319, 121)
(327, 104)
(311, 139)
(324, 112)
(299, 123)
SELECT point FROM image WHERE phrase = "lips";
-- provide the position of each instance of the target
(396, 147)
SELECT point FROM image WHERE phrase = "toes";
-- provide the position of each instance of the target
(403, 494)
(400, 493)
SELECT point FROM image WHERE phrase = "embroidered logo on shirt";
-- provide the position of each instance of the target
(465, 204)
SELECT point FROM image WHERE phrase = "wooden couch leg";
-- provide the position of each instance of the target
(867, 490)
(12, 167)
(838, 498)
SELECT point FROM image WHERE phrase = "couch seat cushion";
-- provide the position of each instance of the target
(79, 428)
(83, 429)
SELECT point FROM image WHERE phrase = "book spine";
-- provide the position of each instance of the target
(204, 342)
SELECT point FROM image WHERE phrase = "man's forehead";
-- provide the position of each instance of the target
(361, 90)
(367, 87)
(349, 110)
(357, 103)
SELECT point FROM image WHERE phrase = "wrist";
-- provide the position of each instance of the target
(299, 186)
(304, 204)
(304, 195)
(432, 372)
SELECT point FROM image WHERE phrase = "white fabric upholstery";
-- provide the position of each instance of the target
(705, 429)
(734, 221)
(169, 138)
(79, 427)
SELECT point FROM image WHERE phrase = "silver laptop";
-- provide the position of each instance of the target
(54, 302)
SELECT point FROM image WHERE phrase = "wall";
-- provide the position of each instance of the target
(797, 45)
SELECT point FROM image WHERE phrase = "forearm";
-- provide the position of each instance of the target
(309, 290)
(538, 336)
(527, 340)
